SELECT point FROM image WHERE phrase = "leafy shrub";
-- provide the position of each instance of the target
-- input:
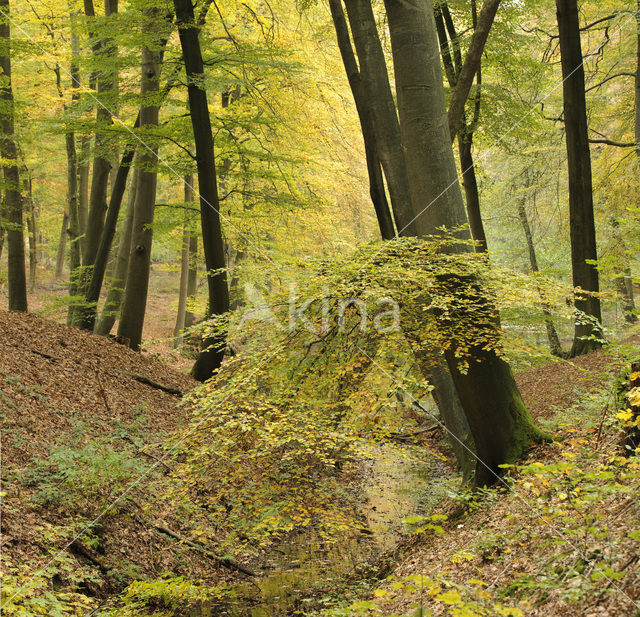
(89, 475)
(26, 595)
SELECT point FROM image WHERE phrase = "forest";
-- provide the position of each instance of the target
(320, 308)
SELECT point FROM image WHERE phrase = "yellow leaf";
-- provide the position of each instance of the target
(450, 597)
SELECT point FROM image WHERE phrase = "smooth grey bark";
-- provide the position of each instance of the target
(584, 254)
(637, 83)
(624, 288)
(12, 198)
(74, 222)
(213, 349)
(501, 425)
(87, 313)
(84, 169)
(112, 303)
(183, 292)
(136, 290)
(471, 65)
(62, 246)
(376, 181)
(379, 99)
(3, 231)
(104, 52)
(380, 103)
(192, 282)
(452, 60)
(32, 230)
(74, 177)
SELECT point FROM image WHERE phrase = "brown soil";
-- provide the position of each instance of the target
(63, 387)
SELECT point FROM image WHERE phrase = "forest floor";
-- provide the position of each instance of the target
(83, 416)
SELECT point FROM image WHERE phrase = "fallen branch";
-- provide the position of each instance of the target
(154, 384)
(77, 547)
(410, 436)
(223, 561)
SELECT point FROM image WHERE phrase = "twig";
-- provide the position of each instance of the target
(154, 384)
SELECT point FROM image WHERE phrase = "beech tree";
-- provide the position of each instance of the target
(501, 425)
(12, 210)
(137, 282)
(212, 352)
(582, 225)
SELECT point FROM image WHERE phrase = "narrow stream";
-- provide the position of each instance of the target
(397, 486)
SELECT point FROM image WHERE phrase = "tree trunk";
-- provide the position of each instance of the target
(74, 223)
(637, 83)
(84, 165)
(552, 335)
(500, 423)
(32, 230)
(12, 197)
(212, 353)
(471, 65)
(135, 295)
(111, 307)
(379, 100)
(87, 313)
(192, 284)
(104, 54)
(2, 229)
(453, 66)
(624, 287)
(472, 195)
(581, 219)
(184, 267)
(376, 181)
(75, 229)
(62, 245)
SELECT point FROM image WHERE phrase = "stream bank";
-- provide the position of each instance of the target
(308, 570)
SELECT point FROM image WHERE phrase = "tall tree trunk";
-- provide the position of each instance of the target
(12, 197)
(452, 60)
(501, 425)
(378, 99)
(581, 218)
(75, 228)
(32, 231)
(192, 283)
(471, 65)
(376, 181)
(382, 112)
(104, 53)
(212, 353)
(184, 267)
(552, 335)
(623, 279)
(62, 246)
(472, 195)
(87, 313)
(84, 168)
(111, 307)
(624, 287)
(74, 223)
(135, 295)
(637, 83)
